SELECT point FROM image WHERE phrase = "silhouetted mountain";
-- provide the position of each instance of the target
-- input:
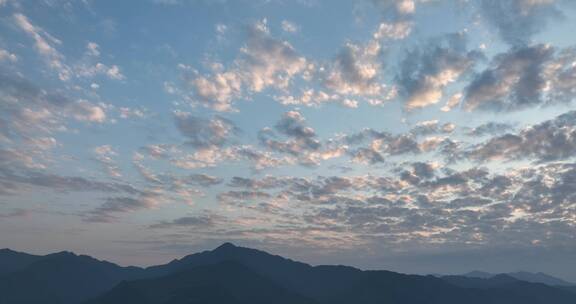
(62, 278)
(11, 261)
(316, 282)
(222, 283)
(532, 277)
(540, 277)
(341, 284)
(496, 281)
(571, 289)
(504, 286)
(231, 274)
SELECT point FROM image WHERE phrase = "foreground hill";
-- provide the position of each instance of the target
(231, 274)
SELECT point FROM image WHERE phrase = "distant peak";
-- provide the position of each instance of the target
(63, 254)
(226, 246)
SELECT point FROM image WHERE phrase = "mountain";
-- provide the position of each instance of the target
(504, 286)
(232, 274)
(532, 277)
(540, 277)
(342, 284)
(497, 281)
(11, 261)
(222, 283)
(318, 282)
(62, 278)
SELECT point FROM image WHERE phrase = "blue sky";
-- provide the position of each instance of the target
(410, 135)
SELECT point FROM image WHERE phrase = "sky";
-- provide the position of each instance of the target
(420, 136)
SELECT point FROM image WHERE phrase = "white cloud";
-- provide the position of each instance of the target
(84, 110)
(104, 155)
(264, 62)
(398, 30)
(356, 70)
(43, 44)
(289, 27)
(7, 56)
(93, 49)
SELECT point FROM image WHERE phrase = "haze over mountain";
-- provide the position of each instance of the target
(236, 275)
(526, 276)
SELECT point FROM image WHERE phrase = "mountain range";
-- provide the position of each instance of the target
(532, 277)
(237, 275)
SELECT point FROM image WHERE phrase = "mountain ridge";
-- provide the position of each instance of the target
(67, 278)
(533, 277)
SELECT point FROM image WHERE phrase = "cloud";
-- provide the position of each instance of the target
(203, 132)
(205, 157)
(289, 27)
(268, 61)
(547, 141)
(424, 205)
(193, 222)
(429, 127)
(175, 187)
(158, 151)
(104, 155)
(490, 128)
(514, 80)
(203, 180)
(452, 102)
(43, 43)
(218, 91)
(90, 71)
(46, 46)
(244, 195)
(26, 179)
(396, 9)
(420, 171)
(90, 66)
(15, 213)
(264, 62)
(356, 70)
(524, 77)
(23, 99)
(354, 74)
(108, 212)
(7, 56)
(301, 141)
(261, 159)
(396, 31)
(315, 98)
(425, 72)
(380, 145)
(292, 125)
(518, 20)
(31, 115)
(560, 76)
(212, 156)
(84, 110)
